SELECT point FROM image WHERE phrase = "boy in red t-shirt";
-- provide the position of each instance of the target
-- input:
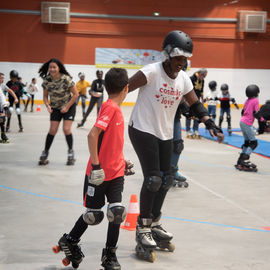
(104, 175)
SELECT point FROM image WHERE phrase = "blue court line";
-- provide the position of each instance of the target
(40, 195)
(173, 218)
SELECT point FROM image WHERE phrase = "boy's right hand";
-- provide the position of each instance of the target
(97, 175)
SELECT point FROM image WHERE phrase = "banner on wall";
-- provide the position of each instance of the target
(126, 58)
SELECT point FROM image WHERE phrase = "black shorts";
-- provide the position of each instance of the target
(94, 196)
(56, 114)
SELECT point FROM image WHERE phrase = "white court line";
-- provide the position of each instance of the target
(229, 201)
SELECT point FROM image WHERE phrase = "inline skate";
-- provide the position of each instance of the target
(71, 160)
(161, 236)
(243, 164)
(43, 160)
(71, 249)
(145, 242)
(109, 260)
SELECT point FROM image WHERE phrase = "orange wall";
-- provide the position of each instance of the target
(216, 45)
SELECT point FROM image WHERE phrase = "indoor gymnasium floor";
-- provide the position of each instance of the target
(220, 221)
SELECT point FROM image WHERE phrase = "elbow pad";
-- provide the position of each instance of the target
(199, 110)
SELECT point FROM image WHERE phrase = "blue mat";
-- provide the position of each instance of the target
(237, 140)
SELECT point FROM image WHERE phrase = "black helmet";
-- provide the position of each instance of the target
(252, 90)
(212, 85)
(14, 74)
(224, 87)
(180, 40)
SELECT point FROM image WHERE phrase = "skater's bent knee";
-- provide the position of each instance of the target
(253, 144)
(153, 183)
(167, 182)
(116, 213)
(93, 216)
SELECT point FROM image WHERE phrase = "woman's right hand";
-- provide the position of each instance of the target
(49, 109)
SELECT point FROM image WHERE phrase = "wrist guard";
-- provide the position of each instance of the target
(209, 124)
(199, 110)
(96, 167)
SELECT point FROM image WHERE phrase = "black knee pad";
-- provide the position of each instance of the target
(178, 146)
(93, 216)
(221, 118)
(153, 183)
(2, 120)
(116, 213)
(167, 182)
(253, 144)
(246, 144)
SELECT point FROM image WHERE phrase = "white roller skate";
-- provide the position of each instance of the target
(161, 236)
(145, 242)
(190, 134)
(197, 135)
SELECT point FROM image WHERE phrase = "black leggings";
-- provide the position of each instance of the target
(155, 159)
(92, 103)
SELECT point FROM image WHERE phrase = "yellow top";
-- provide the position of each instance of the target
(81, 86)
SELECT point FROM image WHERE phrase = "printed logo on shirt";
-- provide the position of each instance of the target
(118, 123)
(71, 117)
(105, 117)
(104, 124)
(167, 95)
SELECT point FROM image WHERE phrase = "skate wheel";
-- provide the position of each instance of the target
(56, 249)
(171, 247)
(152, 256)
(186, 184)
(180, 184)
(65, 261)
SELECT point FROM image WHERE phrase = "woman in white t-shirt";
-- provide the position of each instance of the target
(162, 87)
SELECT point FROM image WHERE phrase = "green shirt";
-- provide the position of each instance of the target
(59, 90)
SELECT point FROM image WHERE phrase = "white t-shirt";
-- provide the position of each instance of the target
(212, 95)
(158, 100)
(32, 88)
(3, 101)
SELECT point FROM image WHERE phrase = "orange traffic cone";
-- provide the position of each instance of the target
(132, 214)
(38, 108)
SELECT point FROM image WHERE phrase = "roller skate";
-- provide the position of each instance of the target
(71, 160)
(43, 160)
(197, 135)
(20, 128)
(145, 242)
(4, 138)
(71, 249)
(229, 131)
(80, 124)
(109, 260)
(243, 164)
(180, 180)
(190, 134)
(161, 236)
(7, 129)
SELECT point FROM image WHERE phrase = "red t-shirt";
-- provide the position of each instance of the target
(110, 143)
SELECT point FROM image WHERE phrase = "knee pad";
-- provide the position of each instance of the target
(10, 110)
(93, 216)
(246, 144)
(167, 182)
(18, 111)
(228, 118)
(153, 183)
(253, 144)
(221, 118)
(116, 213)
(178, 146)
(2, 119)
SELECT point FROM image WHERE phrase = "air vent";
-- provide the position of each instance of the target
(55, 12)
(252, 21)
